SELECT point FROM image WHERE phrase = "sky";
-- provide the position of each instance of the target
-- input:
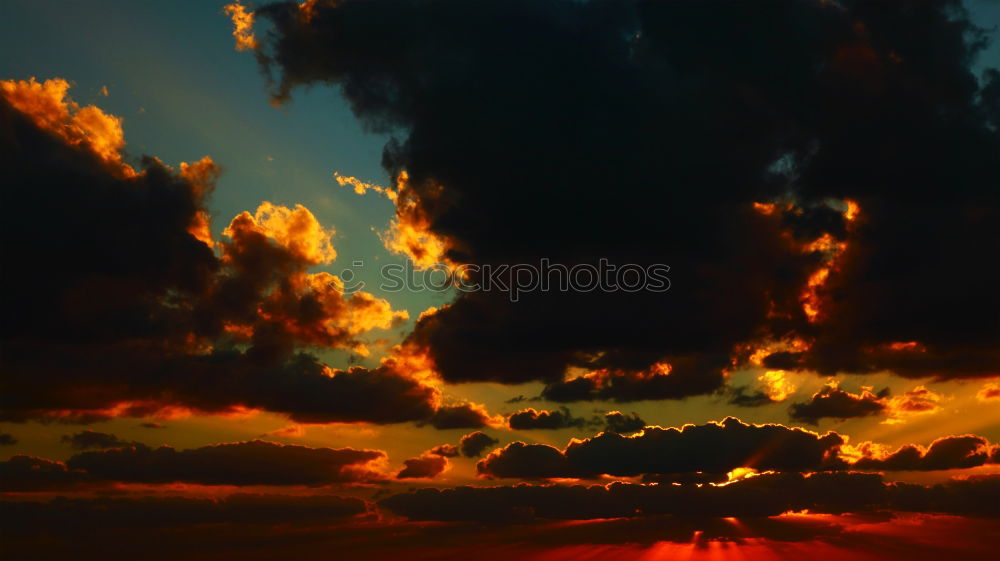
(201, 200)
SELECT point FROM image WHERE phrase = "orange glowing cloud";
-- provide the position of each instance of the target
(274, 247)
(242, 26)
(47, 104)
(918, 401)
(409, 233)
(833, 402)
(295, 229)
(360, 187)
(906, 346)
(757, 352)
(832, 252)
(829, 249)
(202, 176)
(414, 362)
(990, 392)
(307, 10)
(776, 384)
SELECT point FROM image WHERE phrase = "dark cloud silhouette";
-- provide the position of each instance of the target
(833, 402)
(148, 313)
(92, 439)
(255, 462)
(445, 450)
(743, 396)
(616, 421)
(465, 416)
(7, 439)
(528, 461)
(269, 527)
(152, 425)
(764, 495)
(23, 473)
(474, 444)
(948, 452)
(89, 514)
(660, 159)
(530, 419)
(712, 448)
(685, 377)
(703, 453)
(427, 465)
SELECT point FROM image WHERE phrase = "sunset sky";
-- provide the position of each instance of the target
(200, 349)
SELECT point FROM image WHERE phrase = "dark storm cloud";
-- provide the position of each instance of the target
(474, 444)
(625, 131)
(142, 315)
(530, 419)
(253, 462)
(616, 421)
(764, 495)
(426, 465)
(92, 439)
(832, 402)
(712, 448)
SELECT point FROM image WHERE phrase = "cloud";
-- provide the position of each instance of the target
(712, 448)
(254, 462)
(242, 26)
(148, 314)
(7, 439)
(843, 146)
(464, 416)
(764, 495)
(742, 396)
(445, 450)
(530, 419)
(830, 401)
(268, 526)
(990, 392)
(527, 461)
(948, 452)
(90, 514)
(918, 401)
(427, 465)
(474, 444)
(21, 473)
(93, 439)
(616, 421)
(47, 104)
(703, 453)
